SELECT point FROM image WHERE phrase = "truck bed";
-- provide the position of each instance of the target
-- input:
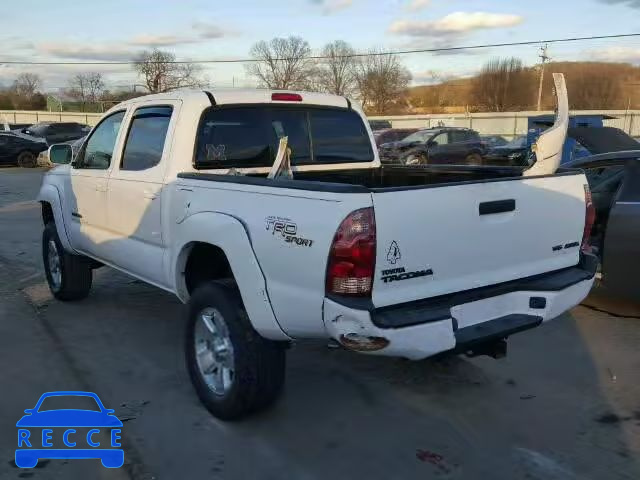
(387, 177)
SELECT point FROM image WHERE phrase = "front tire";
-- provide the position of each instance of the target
(474, 159)
(69, 276)
(416, 159)
(26, 159)
(234, 371)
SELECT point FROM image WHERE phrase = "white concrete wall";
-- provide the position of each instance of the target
(508, 123)
(28, 116)
(503, 123)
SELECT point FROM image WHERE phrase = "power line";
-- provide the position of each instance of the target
(354, 55)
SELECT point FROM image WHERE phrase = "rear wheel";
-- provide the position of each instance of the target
(474, 159)
(234, 370)
(26, 159)
(69, 276)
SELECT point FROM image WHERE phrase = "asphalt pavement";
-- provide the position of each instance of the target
(564, 404)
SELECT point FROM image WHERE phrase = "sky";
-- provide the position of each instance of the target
(118, 30)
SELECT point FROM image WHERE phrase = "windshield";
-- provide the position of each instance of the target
(248, 136)
(67, 402)
(421, 136)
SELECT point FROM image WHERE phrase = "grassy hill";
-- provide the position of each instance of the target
(591, 85)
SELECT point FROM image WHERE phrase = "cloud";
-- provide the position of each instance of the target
(615, 54)
(332, 6)
(77, 51)
(154, 41)
(209, 30)
(629, 3)
(454, 24)
(416, 5)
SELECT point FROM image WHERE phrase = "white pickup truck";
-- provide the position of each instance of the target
(391, 260)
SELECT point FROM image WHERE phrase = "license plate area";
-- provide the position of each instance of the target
(480, 311)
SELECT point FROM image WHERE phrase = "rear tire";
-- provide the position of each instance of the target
(69, 276)
(26, 159)
(234, 370)
(474, 159)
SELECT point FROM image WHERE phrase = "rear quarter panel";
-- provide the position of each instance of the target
(290, 232)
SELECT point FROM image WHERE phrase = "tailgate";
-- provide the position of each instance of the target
(443, 239)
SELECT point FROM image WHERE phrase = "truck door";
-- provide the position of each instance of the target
(85, 199)
(621, 250)
(136, 189)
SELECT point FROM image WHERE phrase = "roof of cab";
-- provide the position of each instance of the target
(245, 96)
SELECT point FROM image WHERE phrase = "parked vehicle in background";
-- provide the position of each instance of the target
(379, 125)
(516, 153)
(58, 132)
(494, 140)
(392, 134)
(614, 180)
(436, 146)
(20, 149)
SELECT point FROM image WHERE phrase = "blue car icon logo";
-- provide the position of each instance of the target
(53, 430)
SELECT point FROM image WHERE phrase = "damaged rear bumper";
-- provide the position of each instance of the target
(458, 321)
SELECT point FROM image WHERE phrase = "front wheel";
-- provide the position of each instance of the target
(416, 159)
(474, 159)
(234, 370)
(69, 276)
(26, 159)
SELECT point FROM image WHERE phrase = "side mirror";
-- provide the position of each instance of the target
(432, 143)
(60, 153)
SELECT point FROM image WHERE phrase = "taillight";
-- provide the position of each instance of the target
(589, 219)
(352, 257)
(286, 97)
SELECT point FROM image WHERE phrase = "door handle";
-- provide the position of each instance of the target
(499, 206)
(149, 195)
(101, 187)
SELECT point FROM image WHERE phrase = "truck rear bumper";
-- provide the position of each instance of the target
(453, 322)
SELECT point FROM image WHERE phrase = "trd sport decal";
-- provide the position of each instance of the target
(288, 230)
(393, 255)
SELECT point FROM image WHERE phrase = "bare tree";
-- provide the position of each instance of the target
(26, 85)
(86, 87)
(337, 72)
(24, 92)
(382, 83)
(502, 85)
(161, 73)
(282, 63)
(595, 88)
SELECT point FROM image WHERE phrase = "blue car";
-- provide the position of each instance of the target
(82, 430)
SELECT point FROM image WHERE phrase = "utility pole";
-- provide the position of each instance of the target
(544, 58)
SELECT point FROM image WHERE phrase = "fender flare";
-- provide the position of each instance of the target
(227, 233)
(49, 194)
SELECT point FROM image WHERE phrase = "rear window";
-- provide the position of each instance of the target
(244, 137)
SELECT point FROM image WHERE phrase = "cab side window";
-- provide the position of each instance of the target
(145, 141)
(99, 147)
(441, 139)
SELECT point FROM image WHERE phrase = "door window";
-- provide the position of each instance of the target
(442, 139)
(98, 149)
(145, 141)
(458, 136)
